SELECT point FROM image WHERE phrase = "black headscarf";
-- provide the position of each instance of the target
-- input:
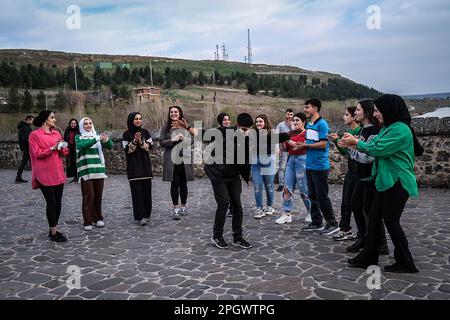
(132, 128)
(220, 117)
(394, 109)
(41, 118)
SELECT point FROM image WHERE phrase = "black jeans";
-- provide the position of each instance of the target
(226, 193)
(178, 187)
(53, 196)
(321, 206)
(388, 206)
(25, 160)
(347, 191)
(141, 194)
(361, 204)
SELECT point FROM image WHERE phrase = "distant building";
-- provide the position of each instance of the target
(125, 65)
(147, 94)
(104, 65)
(3, 101)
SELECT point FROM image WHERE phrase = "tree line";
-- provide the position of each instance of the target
(41, 77)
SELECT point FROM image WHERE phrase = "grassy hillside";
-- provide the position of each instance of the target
(88, 61)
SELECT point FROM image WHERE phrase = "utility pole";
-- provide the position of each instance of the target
(75, 72)
(249, 48)
(151, 72)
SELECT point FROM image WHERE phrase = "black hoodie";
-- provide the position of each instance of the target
(24, 132)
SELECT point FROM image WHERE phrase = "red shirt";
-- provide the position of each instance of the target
(297, 137)
(46, 165)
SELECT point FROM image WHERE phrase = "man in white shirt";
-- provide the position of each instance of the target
(284, 126)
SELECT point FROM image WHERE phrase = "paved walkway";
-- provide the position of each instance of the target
(175, 259)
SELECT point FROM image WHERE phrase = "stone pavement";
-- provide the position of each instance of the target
(176, 260)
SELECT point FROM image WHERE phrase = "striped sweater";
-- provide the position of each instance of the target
(89, 164)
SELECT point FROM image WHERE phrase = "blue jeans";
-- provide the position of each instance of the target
(296, 175)
(263, 176)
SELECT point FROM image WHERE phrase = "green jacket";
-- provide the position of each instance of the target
(393, 149)
(89, 165)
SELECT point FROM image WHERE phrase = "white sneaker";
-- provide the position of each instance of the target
(100, 224)
(285, 218)
(308, 218)
(143, 222)
(259, 213)
(87, 228)
(269, 210)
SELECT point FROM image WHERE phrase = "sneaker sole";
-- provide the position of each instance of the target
(327, 233)
(345, 238)
(259, 217)
(243, 247)
(284, 222)
(312, 230)
(218, 245)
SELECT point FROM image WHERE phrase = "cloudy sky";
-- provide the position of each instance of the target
(410, 54)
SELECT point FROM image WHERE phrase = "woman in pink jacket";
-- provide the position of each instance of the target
(46, 150)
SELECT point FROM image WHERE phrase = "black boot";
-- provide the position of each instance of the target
(358, 245)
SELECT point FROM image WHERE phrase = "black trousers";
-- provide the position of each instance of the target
(25, 160)
(141, 194)
(227, 193)
(388, 206)
(71, 168)
(347, 191)
(178, 187)
(53, 196)
(361, 204)
(321, 206)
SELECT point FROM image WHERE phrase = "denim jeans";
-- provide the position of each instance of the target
(296, 175)
(321, 206)
(263, 176)
(282, 167)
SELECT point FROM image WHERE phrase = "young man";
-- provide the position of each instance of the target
(24, 131)
(317, 169)
(284, 126)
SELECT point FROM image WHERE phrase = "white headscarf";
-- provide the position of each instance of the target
(92, 135)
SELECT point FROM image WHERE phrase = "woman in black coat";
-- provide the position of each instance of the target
(137, 143)
(69, 136)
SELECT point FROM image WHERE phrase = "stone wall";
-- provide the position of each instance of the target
(432, 168)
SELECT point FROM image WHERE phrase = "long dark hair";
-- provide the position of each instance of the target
(369, 107)
(168, 125)
(352, 110)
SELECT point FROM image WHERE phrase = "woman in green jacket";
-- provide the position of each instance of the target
(394, 149)
(91, 171)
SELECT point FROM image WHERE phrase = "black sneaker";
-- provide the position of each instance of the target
(220, 243)
(183, 212)
(353, 263)
(280, 188)
(357, 246)
(58, 237)
(241, 242)
(312, 227)
(396, 268)
(330, 229)
(20, 180)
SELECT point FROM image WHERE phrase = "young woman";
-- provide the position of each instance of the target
(394, 149)
(177, 174)
(69, 136)
(364, 191)
(137, 143)
(224, 121)
(295, 174)
(91, 171)
(46, 151)
(350, 179)
(263, 165)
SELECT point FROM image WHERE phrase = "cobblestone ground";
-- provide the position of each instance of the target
(176, 260)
